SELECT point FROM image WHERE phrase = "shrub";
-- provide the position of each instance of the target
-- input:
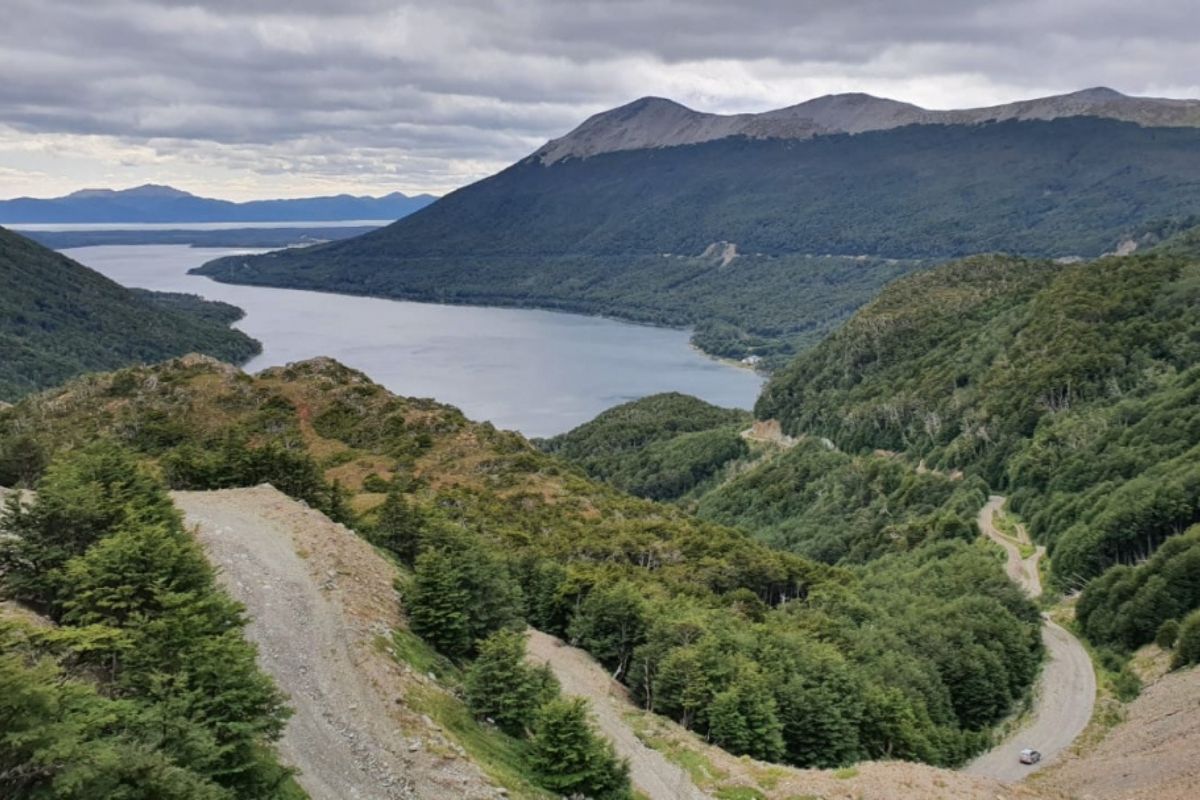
(1168, 632)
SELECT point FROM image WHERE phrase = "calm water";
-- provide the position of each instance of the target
(191, 226)
(538, 372)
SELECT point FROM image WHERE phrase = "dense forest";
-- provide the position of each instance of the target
(805, 497)
(59, 319)
(661, 447)
(914, 654)
(1071, 387)
(136, 681)
(817, 224)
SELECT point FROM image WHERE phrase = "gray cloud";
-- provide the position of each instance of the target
(281, 96)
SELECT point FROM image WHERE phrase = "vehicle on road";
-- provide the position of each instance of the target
(1030, 756)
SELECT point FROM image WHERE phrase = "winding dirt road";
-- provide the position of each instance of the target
(1066, 691)
(580, 676)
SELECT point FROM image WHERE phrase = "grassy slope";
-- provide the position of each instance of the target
(59, 319)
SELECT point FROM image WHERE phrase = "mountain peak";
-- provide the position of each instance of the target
(145, 190)
(655, 122)
(1098, 94)
(156, 190)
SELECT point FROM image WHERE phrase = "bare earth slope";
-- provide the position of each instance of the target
(318, 596)
(1066, 691)
(1151, 755)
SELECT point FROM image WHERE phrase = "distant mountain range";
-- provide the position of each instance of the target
(163, 204)
(733, 224)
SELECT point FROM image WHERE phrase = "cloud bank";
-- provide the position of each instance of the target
(254, 98)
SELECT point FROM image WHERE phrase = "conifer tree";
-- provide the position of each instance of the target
(501, 687)
(569, 759)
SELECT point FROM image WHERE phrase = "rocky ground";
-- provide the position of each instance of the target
(1152, 754)
(319, 598)
(580, 676)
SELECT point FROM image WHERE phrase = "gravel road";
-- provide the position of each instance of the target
(318, 596)
(580, 676)
(1066, 690)
(1022, 571)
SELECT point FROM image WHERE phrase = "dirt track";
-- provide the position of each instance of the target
(318, 597)
(580, 676)
(1066, 691)
(1022, 571)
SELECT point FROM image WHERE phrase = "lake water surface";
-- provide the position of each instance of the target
(539, 372)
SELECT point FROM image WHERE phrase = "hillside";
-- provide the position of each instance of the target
(1072, 387)
(660, 447)
(763, 244)
(768, 654)
(59, 319)
(158, 204)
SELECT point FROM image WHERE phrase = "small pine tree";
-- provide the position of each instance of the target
(610, 624)
(501, 687)
(336, 503)
(569, 759)
(438, 603)
(399, 527)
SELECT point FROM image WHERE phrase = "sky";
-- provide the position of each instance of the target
(246, 99)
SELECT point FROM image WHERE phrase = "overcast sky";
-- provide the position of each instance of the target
(277, 98)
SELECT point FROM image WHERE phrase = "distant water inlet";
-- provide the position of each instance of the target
(538, 372)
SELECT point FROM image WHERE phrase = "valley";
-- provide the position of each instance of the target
(458, 506)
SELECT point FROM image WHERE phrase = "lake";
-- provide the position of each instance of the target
(192, 226)
(538, 372)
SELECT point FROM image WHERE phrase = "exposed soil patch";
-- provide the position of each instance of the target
(1154, 754)
(580, 676)
(319, 597)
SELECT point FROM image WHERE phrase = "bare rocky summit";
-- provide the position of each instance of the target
(654, 122)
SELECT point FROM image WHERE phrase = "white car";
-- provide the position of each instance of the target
(1030, 756)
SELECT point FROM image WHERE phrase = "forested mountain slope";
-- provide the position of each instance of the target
(661, 447)
(624, 232)
(913, 655)
(59, 319)
(1072, 387)
(802, 496)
